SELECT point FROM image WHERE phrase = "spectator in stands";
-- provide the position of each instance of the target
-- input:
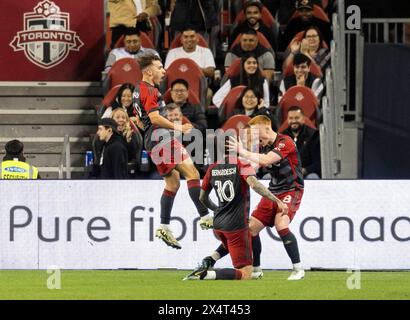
(122, 100)
(133, 140)
(307, 141)
(250, 76)
(301, 23)
(311, 46)
(249, 44)
(301, 77)
(114, 159)
(126, 14)
(194, 113)
(200, 15)
(252, 104)
(253, 14)
(283, 9)
(132, 49)
(15, 158)
(191, 50)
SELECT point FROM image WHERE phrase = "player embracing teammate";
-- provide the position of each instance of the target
(279, 158)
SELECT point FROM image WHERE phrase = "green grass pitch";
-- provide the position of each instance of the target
(167, 284)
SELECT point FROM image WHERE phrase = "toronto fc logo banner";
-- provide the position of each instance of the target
(46, 38)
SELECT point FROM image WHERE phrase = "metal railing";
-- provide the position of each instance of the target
(65, 155)
(386, 30)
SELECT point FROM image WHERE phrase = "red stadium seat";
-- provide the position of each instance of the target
(230, 103)
(185, 120)
(146, 41)
(192, 97)
(107, 101)
(236, 122)
(302, 97)
(267, 18)
(325, 4)
(285, 125)
(177, 41)
(317, 13)
(187, 69)
(261, 39)
(124, 70)
(314, 69)
(155, 33)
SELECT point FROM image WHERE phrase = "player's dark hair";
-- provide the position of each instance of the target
(300, 58)
(179, 81)
(296, 108)
(146, 60)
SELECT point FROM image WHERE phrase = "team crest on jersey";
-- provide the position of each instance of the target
(46, 38)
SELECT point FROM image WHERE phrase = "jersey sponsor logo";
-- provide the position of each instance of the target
(46, 38)
(15, 169)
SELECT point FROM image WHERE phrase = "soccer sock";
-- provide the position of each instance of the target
(222, 251)
(256, 250)
(228, 274)
(291, 245)
(167, 201)
(194, 189)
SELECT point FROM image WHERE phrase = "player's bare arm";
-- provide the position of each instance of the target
(262, 159)
(204, 198)
(160, 121)
(260, 189)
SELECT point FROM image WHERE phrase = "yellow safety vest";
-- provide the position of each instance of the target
(12, 169)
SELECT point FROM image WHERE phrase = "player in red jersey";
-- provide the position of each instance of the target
(231, 178)
(165, 150)
(279, 158)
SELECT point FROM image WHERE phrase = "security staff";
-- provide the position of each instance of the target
(14, 165)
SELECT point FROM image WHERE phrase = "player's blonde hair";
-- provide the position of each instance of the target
(260, 120)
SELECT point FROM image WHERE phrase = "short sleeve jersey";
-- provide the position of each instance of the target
(286, 175)
(232, 190)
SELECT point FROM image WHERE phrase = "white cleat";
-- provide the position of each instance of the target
(257, 275)
(298, 274)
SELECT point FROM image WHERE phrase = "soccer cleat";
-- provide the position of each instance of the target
(167, 236)
(198, 274)
(297, 274)
(208, 262)
(206, 224)
(257, 275)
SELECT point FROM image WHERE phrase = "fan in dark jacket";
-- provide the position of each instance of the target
(114, 157)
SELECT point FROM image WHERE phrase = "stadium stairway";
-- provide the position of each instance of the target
(41, 113)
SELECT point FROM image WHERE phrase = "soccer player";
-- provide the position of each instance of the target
(166, 151)
(231, 178)
(279, 157)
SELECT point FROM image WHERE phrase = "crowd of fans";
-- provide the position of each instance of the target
(243, 68)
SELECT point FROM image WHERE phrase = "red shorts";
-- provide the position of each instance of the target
(167, 157)
(239, 245)
(266, 210)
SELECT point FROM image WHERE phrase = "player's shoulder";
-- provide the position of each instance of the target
(284, 140)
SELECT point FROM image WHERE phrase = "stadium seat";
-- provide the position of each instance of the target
(317, 13)
(187, 69)
(177, 41)
(233, 70)
(261, 39)
(302, 97)
(155, 33)
(124, 70)
(192, 97)
(146, 41)
(230, 103)
(299, 37)
(308, 123)
(236, 122)
(107, 101)
(314, 69)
